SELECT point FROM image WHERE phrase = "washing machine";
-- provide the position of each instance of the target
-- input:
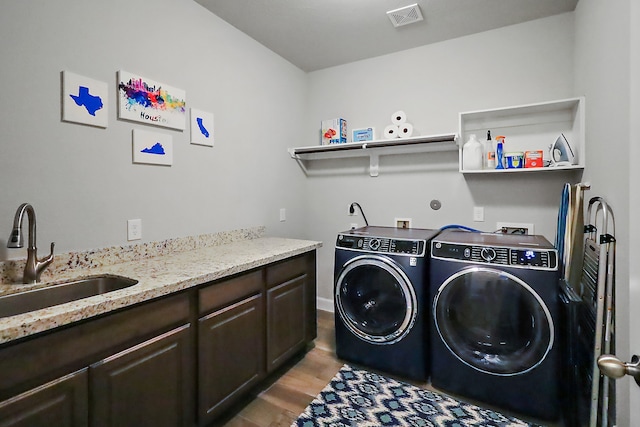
(495, 320)
(381, 299)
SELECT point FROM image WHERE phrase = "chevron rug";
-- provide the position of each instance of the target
(356, 397)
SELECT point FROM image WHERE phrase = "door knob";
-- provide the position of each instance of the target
(615, 368)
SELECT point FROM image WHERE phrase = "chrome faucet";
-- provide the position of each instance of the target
(34, 267)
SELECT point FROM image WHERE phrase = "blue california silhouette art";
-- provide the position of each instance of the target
(156, 149)
(203, 129)
(90, 102)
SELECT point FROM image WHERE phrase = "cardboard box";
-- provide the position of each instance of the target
(333, 131)
(533, 159)
(364, 134)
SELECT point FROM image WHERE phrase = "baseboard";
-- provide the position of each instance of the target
(325, 304)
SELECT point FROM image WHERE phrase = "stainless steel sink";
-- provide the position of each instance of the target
(24, 302)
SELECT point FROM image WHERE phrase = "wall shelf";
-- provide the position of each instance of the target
(529, 127)
(374, 149)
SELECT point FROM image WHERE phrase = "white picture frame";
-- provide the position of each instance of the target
(201, 127)
(152, 148)
(84, 100)
(147, 101)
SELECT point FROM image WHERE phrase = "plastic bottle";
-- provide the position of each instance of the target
(488, 153)
(499, 152)
(472, 154)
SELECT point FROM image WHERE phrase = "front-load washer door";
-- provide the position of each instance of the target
(375, 299)
(493, 321)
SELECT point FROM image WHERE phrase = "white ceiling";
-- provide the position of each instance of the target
(316, 34)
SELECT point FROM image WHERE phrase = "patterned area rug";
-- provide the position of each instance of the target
(355, 397)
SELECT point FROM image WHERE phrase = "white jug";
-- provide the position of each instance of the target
(472, 154)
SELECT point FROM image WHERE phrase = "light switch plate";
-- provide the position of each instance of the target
(134, 229)
(478, 213)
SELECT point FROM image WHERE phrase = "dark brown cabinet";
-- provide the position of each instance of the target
(285, 320)
(144, 385)
(59, 403)
(291, 308)
(130, 363)
(230, 342)
(179, 360)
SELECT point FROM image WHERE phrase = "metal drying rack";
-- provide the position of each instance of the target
(597, 292)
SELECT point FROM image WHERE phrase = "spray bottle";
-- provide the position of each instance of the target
(489, 156)
(499, 151)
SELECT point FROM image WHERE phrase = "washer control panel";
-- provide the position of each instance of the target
(546, 259)
(382, 244)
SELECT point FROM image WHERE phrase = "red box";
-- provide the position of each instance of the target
(533, 159)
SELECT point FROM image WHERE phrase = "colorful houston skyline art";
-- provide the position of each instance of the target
(147, 101)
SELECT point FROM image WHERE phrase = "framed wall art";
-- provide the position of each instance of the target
(201, 127)
(84, 100)
(144, 100)
(152, 148)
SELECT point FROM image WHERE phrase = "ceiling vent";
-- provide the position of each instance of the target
(405, 15)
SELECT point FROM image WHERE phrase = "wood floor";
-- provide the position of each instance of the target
(280, 403)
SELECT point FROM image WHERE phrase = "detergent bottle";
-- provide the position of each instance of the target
(499, 152)
(472, 154)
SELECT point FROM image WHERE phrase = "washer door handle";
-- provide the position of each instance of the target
(615, 368)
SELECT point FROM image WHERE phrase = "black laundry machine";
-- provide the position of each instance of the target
(495, 320)
(381, 299)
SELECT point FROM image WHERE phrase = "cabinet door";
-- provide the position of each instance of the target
(231, 355)
(146, 385)
(286, 321)
(59, 403)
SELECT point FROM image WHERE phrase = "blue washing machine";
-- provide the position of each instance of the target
(381, 299)
(495, 320)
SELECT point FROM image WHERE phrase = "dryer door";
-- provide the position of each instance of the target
(493, 321)
(375, 299)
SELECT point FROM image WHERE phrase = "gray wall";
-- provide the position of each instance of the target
(81, 179)
(603, 38)
(521, 64)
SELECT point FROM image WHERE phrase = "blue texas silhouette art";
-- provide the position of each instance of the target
(156, 149)
(203, 129)
(91, 102)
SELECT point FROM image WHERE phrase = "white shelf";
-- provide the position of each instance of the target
(529, 127)
(374, 149)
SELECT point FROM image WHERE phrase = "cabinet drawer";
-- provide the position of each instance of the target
(229, 291)
(286, 270)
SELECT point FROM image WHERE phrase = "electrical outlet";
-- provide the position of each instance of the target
(134, 229)
(402, 222)
(351, 209)
(478, 214)
(283, 214)
(515, 228)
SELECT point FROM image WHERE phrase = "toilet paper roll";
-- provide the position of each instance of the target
(405, 130)
(398, 117)
(391, 132)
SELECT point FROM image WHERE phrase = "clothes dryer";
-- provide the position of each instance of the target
(381, 299)
(495, 319)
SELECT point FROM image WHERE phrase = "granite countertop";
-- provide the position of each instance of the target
(157, 276)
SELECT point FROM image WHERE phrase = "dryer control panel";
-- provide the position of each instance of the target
(546, 259)
(382, 245)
